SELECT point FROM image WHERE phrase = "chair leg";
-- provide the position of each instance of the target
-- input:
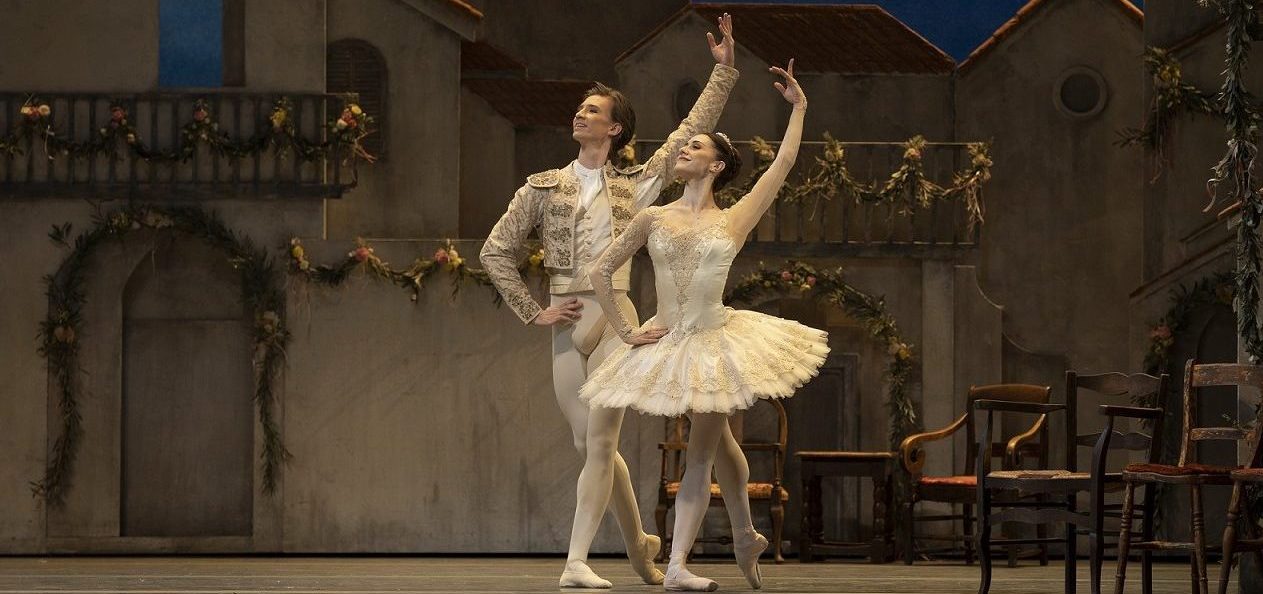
(1072, 561)
(967, 512)
(909, 533)
(984, 538)
(778, 527)
(1199, 541)
(1230, 537)
(660, 517)
(1124, 537)
(1146, 556)
(1096, 544)
(1041, 531)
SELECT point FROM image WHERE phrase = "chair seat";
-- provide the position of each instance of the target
(1248, 475)
(760, 491)
(1060, 475)
(964, 480)
(1186, 470)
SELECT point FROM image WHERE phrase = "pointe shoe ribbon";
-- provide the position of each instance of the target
(747, 554)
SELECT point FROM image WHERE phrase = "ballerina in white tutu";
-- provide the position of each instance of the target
(696, 356)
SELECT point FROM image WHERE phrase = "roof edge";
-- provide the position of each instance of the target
(457, 15)
(1021, 16)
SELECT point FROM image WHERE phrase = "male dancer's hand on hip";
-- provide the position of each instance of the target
(566, 312)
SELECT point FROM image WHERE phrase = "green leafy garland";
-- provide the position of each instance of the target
(829, 286)
(363, 258)
(907, 188)
(1235, 169)
(1172, 97)
(347, 131)
(1216, 289)
(59, 332)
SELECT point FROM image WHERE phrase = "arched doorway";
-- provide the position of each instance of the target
(187, 431)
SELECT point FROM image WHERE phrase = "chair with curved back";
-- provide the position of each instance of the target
(962, 488)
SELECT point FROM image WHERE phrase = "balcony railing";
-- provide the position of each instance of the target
(841, 225)
(37, 169)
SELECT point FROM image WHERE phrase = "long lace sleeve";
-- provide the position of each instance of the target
(500, 253)
(701, 118)
(745, 214)
(619, 252)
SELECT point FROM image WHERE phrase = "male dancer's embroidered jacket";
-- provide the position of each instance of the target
(549, 202)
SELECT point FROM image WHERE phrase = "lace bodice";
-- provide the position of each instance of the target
(690, 264)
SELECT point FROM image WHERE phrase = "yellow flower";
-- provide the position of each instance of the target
(537, 258)
(355, 109)
(804, 287)
(44, 110)
(297, 252)
(905, 353)
(278, 117)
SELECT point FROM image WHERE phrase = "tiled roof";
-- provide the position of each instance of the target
(480, 57)
(1024, 14)
(841, 38)
(532, 102)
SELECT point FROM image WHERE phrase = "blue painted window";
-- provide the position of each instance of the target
(191, 43)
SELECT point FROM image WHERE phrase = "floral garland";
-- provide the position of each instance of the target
(797, 278)
(1171, 98)
(1216, 289)
(363, 258)
(907, 188)
(347, 131)
(60, 329)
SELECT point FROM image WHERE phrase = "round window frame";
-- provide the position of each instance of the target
(1100, 83)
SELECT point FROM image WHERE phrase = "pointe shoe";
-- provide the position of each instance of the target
(679, 579)
(578, 575)
(747, 554)
(642, 560)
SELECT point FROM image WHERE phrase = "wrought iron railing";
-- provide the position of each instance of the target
(37, 169)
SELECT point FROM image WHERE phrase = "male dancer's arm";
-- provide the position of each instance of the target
(499, 254)
(701, 118)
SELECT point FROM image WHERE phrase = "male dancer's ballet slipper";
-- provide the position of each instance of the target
(679, 579)
(643, 564)
(747, 554)
(578, 575)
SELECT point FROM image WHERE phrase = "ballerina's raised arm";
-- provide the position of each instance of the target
(745, 214)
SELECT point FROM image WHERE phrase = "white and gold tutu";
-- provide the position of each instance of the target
(713, 358)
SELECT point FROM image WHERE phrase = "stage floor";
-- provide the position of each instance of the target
(361, 575)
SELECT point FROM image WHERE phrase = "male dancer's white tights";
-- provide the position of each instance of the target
(605, 478)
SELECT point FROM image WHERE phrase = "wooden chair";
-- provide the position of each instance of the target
(1186, 472)
(1065, 484)
(962, 489)
(771, 490)
(1252, 474)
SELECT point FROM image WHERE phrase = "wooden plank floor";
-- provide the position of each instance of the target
(363, 575)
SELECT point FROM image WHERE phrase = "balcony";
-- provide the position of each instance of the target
(171, 130)
(841, 225)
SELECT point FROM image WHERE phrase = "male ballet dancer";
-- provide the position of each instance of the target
(578, 210)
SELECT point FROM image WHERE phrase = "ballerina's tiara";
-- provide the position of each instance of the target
(727, 141)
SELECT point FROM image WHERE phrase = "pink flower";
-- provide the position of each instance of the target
(199, 115)
(441, 256)
(785, 275)
(362, 253)
(117, 114)
(811, 281)
(1162, 332)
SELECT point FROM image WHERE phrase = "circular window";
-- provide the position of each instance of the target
(1080, 93)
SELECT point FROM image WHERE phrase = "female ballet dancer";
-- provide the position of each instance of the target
(697, 357)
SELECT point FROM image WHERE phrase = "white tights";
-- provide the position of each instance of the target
(711, 444)
(605, 478)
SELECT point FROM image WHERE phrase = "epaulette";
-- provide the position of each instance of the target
(544, 179)
(630, 170)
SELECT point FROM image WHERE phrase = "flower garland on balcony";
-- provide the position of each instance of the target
(60, 331)
(345, 135)
(907, 188)
(795, 278)
(364, 259)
